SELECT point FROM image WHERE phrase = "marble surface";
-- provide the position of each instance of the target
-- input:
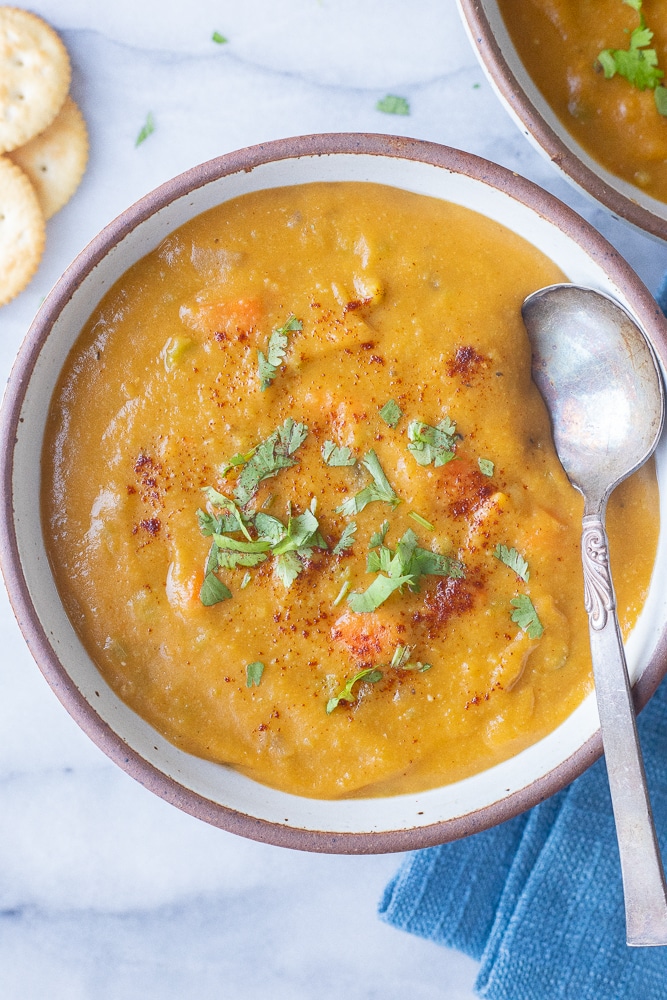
(106, 891)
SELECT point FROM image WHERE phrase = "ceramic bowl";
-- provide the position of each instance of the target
(212, 792)
(531, 112)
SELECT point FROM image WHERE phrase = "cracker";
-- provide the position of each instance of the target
(56, 159)
(22, 230)
(35, 75)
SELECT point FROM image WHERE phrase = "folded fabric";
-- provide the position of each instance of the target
(538, 900)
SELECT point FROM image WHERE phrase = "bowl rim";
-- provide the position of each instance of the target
(562, 155)
(82, 711)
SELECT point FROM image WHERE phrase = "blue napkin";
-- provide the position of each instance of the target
(538, 901)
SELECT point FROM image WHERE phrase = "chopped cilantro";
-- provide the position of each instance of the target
(370, 674)
(269, 364)
(432, 444)
(486, 466)
(401, 660)
(146, 129)
(403, 566)
(638, 64)
(391, 104)
(513, 559)
(213, 591)
(379, 536)
(379, 489)
(269, 458)
(525, 616)
(346, 540)
(218, 38)
(391, 413)
(660, 95)
(333, 455)
(239, 459)
(342, 593)
(421, 520)
(253, 673)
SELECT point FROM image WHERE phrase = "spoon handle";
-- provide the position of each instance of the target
(641, 868)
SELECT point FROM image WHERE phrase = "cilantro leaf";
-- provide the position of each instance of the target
(432, 444)
(269, 364)
(486, 466)
(147, 129)
(391, 104)
(232, 522)
(379, 489)
(525, 616)
(513, 559)
(391, 413)
(269, 458)
(370, 674)
(660, 95)
(379, 536)
(333, 455)
(638, 63)
(346, 540)
(405, 565)
(380, 589)
(253, 673)
(213, 591)
(218, 38)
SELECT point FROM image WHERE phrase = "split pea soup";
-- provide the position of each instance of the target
(301, 500)
(600, 64)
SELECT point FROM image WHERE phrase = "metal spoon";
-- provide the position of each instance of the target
(603, 389)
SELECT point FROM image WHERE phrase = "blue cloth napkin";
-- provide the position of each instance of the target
(538, 901)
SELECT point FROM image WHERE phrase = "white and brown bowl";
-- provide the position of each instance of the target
(539, 123)
(212, 792)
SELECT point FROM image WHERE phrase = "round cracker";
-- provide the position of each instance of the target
(22, 230)
(35, 75)
(55, 160)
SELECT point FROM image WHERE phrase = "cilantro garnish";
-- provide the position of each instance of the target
(218, 38)
(638, 64)
(333, 455)
(147, 129)
(660, 95)
(378, 537)
(275, 354)
(213, 590)
(525, 616)
(432, 444)
(421, 520)
(401, 660)
(513, 559)
(269, 458)
(486, 466)
(391, 413)
(346, 540)
(253, 673)
(393, 105)
(379, 489)
(371, 675)
(402, 566)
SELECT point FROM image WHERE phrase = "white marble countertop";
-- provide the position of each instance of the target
(105, 891)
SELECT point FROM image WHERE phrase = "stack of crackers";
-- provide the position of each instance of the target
(43, 142)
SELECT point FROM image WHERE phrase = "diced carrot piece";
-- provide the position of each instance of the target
(234, 319)
(369, 638)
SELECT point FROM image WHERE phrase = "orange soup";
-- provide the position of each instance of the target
(576, 53)
(302, 503)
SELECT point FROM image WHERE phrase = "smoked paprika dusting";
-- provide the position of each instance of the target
(454, 684)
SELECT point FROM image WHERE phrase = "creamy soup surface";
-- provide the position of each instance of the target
(302, 503)
(617, 121)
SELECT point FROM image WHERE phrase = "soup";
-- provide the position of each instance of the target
(620, 125)
(301, 500)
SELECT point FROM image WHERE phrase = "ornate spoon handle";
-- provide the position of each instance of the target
(641, 867)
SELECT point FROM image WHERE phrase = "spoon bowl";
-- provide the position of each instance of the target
(602, 386)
